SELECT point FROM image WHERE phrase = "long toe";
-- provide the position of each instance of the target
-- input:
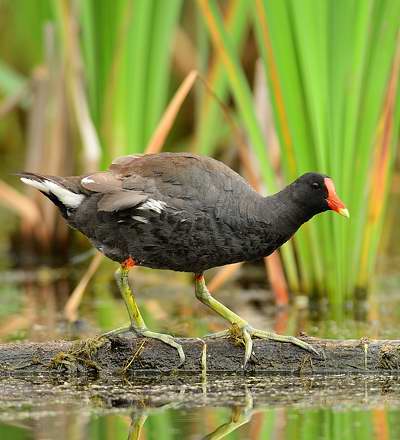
(221, 334)
(117, 331)
(263, 334)
(167, 339)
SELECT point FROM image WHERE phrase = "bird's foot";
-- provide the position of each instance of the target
(144, 332)
(243, 333)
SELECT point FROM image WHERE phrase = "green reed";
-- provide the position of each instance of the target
(331, 69)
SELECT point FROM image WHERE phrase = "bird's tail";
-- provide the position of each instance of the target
(62, 191)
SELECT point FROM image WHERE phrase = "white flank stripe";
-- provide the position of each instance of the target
(67, 197)
(140, 219)
(153, 205)
(87, 180)
(38, 185)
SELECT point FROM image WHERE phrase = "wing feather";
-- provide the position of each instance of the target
(120, 200)
(178, 179)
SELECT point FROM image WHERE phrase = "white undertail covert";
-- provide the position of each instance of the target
(66, 197)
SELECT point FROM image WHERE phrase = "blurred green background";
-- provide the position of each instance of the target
(273, 89)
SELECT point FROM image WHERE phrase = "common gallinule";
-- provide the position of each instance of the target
(187, 213)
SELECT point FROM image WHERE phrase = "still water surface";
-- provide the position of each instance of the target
(338, 407)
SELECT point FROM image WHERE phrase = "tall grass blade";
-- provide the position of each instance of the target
(127, 52)
(327, 93)
(160, 134)
(382, 166)
(210, 125)
(238, 84)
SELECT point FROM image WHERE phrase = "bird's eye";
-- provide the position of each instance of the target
(315, 185)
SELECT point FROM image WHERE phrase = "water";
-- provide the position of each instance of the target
(189, 407)
(337, 407)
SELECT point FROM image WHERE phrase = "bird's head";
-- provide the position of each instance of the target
(316, 193)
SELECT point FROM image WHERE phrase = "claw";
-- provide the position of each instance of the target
(248, 344)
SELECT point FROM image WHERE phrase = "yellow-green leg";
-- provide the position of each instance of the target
(245, 329)
(137, 322)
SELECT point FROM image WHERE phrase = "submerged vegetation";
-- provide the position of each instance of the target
(314, 87)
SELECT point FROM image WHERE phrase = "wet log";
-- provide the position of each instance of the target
(141, 356)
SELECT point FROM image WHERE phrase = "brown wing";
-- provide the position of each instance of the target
(175, 178)
(119, 200)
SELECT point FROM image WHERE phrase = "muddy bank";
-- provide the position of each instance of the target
(124, 356)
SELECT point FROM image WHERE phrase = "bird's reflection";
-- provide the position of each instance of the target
(135, 428)
(240, 415)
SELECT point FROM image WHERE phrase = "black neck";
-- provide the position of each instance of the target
(282, 209)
